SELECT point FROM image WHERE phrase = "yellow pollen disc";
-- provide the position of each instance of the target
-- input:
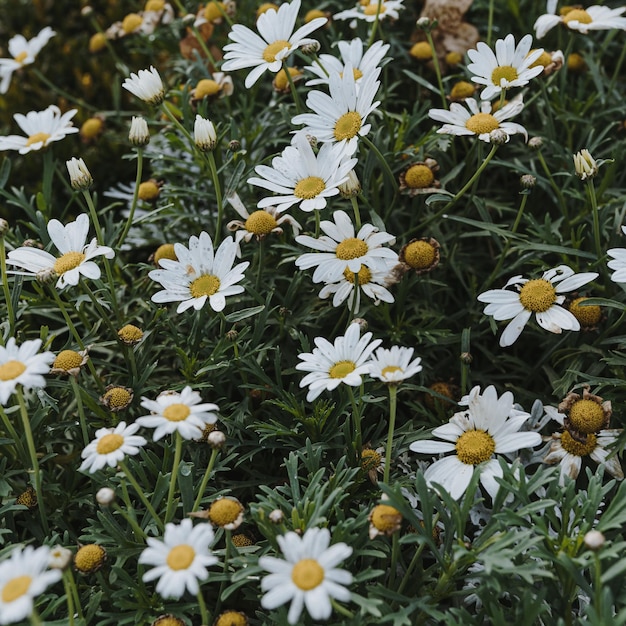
(131, 22)
(109, 443)
(586, 315)
(419, 255)
(577, 448)
(342, 369)
(231, 618)
(21, 56)
(148, 191)
(97, 42)
(312, 15)
(370, 460)
(419, 177)
(154, 5)
(390, 369)
(130, 333)
(117, 397)
(385, 518)
(543, 60)
(89, 558)
(474, 447)
(586, 416)
(260, 223)
(180, 557)
(281, 82)
(575, 62)
(462, 90)
(206, 285)
(266, 6)
(165, 251)
(364, 275)
(577, 15)
(37, 137)
(309, 187)
(11, 370)
(176, 412)
(68, 261)
(454, 58)
(508, 72)
(421, 51)
(351, 248)
(224, 511)
(537, 295)
(206, 87)
(269, 54)
(372, 8)
(212, 11)
(91, 128)
(307, 574)
(240, 540)
(16, 588)
(168, 620)
(347, 126)
(482, 123)
(67, 360)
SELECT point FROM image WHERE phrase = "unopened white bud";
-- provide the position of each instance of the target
(216, 439)
(585, 165)
(498, 136)
(105, 496)
(351, 187)
(276, 516)
(80, 178)
(204, 134)
(139, 134)
(594, 539)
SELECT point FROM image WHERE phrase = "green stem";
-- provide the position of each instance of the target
(142, 496)
(74, 590)
(133, 206)
(65, 94)
(259, 266)
(94, 217)
(356, 421)
(81, 409)
(357, 212)
(204, 614)
(393, 395)
(17, 440)
(49, 167)
(5, 288)
(292, 87)
(67, 318)
(410, 568)
(139, 532)
(130, 357)
(382, 161)
(35, 620)
(169, 511)
(354, 309)
(218, 195)
(490, 22)
(70, 600)
(103, 314)
(204, 47)
(228, 542)
(555, 187)
(370, 41)
(395, 553)
(339, 608)
(177, 123)
(596, 218)
(442, 91)
(597, 584)
(205, 480)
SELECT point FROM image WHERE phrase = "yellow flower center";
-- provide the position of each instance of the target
(281, 81)
(313, 14)
(11, 370)
(419, 177)
(342, 369)
(364, 275)
(537, 295)
(16, 588)
(351, 248)
(347, 126)
(421, 51)
(148, 191)
(508, 72)
(260, 223)
(385, 518)
(307, 574)
(89, 558)
(97, 42)
(205, 285)
(91, 128)
(269, 54)
(309, 187)
(372, 8)
(154, 5)
(168, 620)
(224, 511)
(206, 87)
(586, 315)
(67, 360)
(481, 123)
(577, 15)
(543, 59)
(241, 540)
(109, 443)
(176, 412)
(212, 11)
(575, 62)
(68, 261)
(578, 448)
(454, 58)
(586, 416)
(462, 90)
(21, 56)
(130, 334)
(443, 389)
(231, 618)
(474, 447)
(390, 369)
(180, 557)
(370, 460)
(117, 397)
(37, 137)
(131, 22)
(266, 6)
(165, 251)
(419, 255)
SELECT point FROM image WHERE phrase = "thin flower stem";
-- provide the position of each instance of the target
(442, 91)
(70, 600)
(490, 22)
(556, 188)
(317, 223)
(395, 553)
(178, 449)
(203, 45)
(393, 395)
(49, 167)
(65, 94)
(5, 288)
(410, 568)
(103, 314)
(142, 495)
(354, 309)
(35, 620)
(597, 584)
(370, 41)
(259, 266)
(17, 440)
(130, 357)
(94, 217)
(81, 409)
(382, 161)
(357, 212)
(30, 442)
(204, 614)
(596, 218)
(292, 87)
(138, 530)
(133, 205)
(177, 123)
(342, 610)
(228, 542)
(74, 591)
(205, 480)
(218, 195)
(356, 422)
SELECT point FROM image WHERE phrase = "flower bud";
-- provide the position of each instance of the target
(535, 143)
(585, 165)
(351, 187)
(498, 136)
(527, 181)
(105, 496)
(139, 134)
(60, 558)
(80, 178)
(4, 227)
(276, 516)
(594, 539)
(216, 439)
(234, 145)
(204, 134)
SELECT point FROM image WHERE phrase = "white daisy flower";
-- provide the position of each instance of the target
(541, 296)
(340, 117)
(389, 9)
(141, 23)
(200, 275)
(24, 575)
(510, 66)
(275, 43)
(480, 122)
(394, 365)
(340, 249)
(618, 262)
(595, 17)
(110, 447)
(41, 128)
(180, 559)
(489, 426)
(307, 576)
(345, 361)
(146, 85)
(23, 53)
(22, 365)
(75, 260)
(178, 412)
(302, 176)
(352, 54)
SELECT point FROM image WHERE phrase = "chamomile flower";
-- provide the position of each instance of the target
(340, 249)
(23, 576)
(618, 262)
(391, 366)
(595, 17)
(303, 177)
(180, 559)
(541, 296)
(490, 426)
(275, 41)
(340, 117)
(344, 361)
(388, 9)
(480, 122)
(23, 53)
(110, 447)
(200, 274)
(41, 128)
(510, 66)
(178, 412)
(75, 259)
(351, 53)
(307, 576)
(146, 85)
